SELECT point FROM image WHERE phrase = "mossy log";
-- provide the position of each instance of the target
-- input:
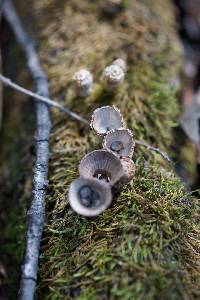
(145, 245)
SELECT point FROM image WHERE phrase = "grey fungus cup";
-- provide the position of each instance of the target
(104, 169)
(89, 197)
(105, 119)
(120, 142)
(101, 164)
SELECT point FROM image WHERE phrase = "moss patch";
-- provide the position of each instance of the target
(145, 245)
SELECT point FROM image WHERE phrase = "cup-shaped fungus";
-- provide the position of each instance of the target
(120, 142)
(89, 197)
(113, 76)
(102, 165)
(105, 119)
(83, 82)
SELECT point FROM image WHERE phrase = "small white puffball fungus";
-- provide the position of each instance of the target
(113, 75)
(83, 80)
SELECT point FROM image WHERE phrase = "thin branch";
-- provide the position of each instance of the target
(52, 103)
(36, 212)
(149, 147)
(10, 83)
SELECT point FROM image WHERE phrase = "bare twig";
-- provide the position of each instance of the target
(43, 99)
(36, 213)
(149, 147)
(52, 103)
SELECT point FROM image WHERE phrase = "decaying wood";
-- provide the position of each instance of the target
(148, 233)
(36, 212)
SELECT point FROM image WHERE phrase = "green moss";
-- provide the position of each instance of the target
(141, 248)
(145, 245)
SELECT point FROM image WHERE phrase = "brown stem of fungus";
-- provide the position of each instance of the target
(36, 212)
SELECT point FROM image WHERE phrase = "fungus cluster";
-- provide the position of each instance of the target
(113, 76)
(104, 169)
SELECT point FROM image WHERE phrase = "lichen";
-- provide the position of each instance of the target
(145, 245)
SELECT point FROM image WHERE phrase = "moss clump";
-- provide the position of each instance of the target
(145, 245)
